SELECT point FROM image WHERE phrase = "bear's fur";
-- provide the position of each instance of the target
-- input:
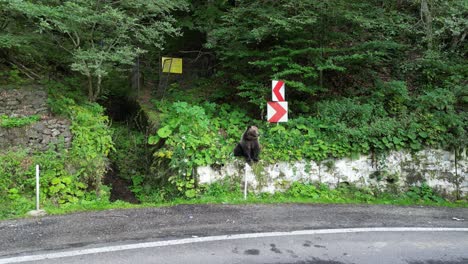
(248, 147)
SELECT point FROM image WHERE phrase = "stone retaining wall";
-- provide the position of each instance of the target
(36, 136)
(23, 102)
(396, 171)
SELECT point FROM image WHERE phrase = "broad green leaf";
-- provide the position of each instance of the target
(164, 132)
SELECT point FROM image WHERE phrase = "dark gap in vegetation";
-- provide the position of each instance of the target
(120, 108)
(127, 122)
(120, 187)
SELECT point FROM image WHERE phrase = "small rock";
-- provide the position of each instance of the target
(32, 133)
(46, 140)
(12, 102)
(55, 132)
(37, 213)
(39, 126)
(67, 134)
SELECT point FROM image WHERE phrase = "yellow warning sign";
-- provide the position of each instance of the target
(172, 65)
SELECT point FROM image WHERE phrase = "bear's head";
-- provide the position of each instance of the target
(251, 133)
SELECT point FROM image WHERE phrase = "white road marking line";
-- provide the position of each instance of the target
(88, 251)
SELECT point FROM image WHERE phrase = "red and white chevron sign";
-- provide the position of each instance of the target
(277, 91)
(277, 112)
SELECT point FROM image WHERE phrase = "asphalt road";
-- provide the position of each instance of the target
(158, 228)
(389, 247)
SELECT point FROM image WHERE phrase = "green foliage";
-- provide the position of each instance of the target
(11, 76)
(9, 122)
(68, 176)
(132, 160)
(310, 138)
(394, 97)
(219, 189)
(227, 191)
(361, 76)
(11, 173)
(92, 138)
(347, 193)
(10, 41)
(130, 152)
(303, 190)
(97, 36)
(423, 193)
(437, 100)
(194, 136)
(12, 208)
(321, 192)
(305, 44)
(136, 188)
(58, 184)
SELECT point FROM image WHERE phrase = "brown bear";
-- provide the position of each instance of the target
(248, 147)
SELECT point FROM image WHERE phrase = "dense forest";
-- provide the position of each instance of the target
(362, 76)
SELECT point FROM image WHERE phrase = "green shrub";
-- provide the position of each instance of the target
(58, 184)
(205, 134)
(423, 193)
(393, 96)
(67, 175)
(347, 111)
(92, 142)
(130, 153)
(92, 136)
(436, 100)
(11, 76)
(13, 174)
(193, 136)
(297, 190)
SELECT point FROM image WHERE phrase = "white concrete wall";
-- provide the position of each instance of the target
(400, 169)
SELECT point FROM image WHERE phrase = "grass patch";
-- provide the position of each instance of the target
(9, 122)
(226, 193)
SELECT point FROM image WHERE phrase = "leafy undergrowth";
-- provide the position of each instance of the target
(226, 193)
(229, 193)
(68, 176)
(9, 122)
(344, 128)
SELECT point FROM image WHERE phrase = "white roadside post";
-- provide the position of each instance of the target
(245, 184)
(247, 171)
(37, 187)
(38, 211)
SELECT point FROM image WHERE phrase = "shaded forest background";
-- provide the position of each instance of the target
(323, 49)
(348, 61)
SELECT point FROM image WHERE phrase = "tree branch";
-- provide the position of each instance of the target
(25, 70)
(199, 55)
(61, 46)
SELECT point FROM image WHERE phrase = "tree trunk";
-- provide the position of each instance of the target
(90, 88)
(456, 40)
(426, 17)
(98, 88)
